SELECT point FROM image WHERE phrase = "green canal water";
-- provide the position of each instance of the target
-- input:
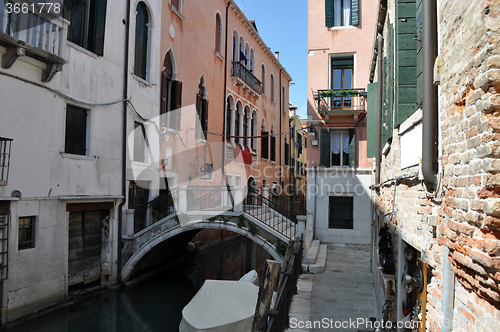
(154, 305)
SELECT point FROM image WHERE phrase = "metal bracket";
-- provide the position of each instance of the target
(11, 55)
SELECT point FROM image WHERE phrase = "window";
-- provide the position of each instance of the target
(237, 122)
(284, 100)
(265, 144)
(273, 146)
(341, 13)
(338, 148)
(340, 214)
(141, 41)
(88, 22)
(341, 79)
(272, 88)
(207, 171)
(218, 33)
(77, 136)
(177, 5)
(246, 132)
(228, 119)
(140, 143)
(235, 46)
(202, 110)
(263, 79)
(26, 233)
(287, 152)
(171, 95)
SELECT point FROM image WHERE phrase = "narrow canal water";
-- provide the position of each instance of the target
(151, 306)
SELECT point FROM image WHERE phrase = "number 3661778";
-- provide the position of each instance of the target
(42, 7)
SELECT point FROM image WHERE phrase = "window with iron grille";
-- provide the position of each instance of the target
(26, 232)
(340, 214)
(207, 171)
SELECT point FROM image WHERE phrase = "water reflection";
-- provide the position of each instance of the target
(152, 306)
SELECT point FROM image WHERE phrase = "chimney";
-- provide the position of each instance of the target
(277, 54)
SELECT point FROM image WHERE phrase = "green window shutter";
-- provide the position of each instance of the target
(329, 13)
(384, 102)
(406, 61)
(97, 25)
(352, 147)
(372, 120)
(419, 50)
(390, 84)
(325, 151)
(355, 12)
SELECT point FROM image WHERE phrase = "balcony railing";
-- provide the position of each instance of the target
(246, 76)
(340, 100)
(29, 30)
(5, 146)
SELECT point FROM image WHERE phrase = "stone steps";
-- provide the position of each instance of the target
(318, 251)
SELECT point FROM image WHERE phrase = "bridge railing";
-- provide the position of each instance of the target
(155, 210)
(278, 316)
(205, 198)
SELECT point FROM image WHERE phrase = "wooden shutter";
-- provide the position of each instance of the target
(384, 102)
(419, 49)
(372, 120)
(204, 117)
(352, 147)
(273, 148)
(325, 150)
(406, 60)
(76, 130)
(287, 148)
(97, 25)
(164, 90)
(354, 12)
(175, 116)
(329, 13)
(389, 84)
(265, 145)
(217, 33)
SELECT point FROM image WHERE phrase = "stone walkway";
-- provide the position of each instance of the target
(344, 293)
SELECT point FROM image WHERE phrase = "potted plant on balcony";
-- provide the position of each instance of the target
(338, 93)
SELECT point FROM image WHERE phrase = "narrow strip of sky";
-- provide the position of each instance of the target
(282, 24)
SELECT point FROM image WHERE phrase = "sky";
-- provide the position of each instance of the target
(282, 24)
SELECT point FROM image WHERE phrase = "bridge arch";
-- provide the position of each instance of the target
(129, 267)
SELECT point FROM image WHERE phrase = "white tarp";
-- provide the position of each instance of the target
(221, 306)
(251, 277)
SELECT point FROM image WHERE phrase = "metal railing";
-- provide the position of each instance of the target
(278, 319)
(203, 198)
(27, 22)
(4, 244)
(286, 206)
(246, 76)
(155, 210)
(340, 100)
(264, 210)
(5, 146)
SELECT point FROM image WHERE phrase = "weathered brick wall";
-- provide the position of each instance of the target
(469, 208)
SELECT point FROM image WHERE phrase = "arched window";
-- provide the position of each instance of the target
(263, 78)
(255, 123)
(251, 66)
(284, 100)
(272, 88)
(237, 121)
(171, 94)
(141, 62)
(218, 33)
(246, 129)
(235, 46)
(228, 118)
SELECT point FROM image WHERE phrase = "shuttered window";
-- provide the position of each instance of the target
(273, 148)
(406, 60)
(75, 141)
(139, 142)
(338, 148)
(141, 41)
(88, 23)
(372, 120)
(175, 105)
(341, 13)
(265, 145)
(287, 153)
(218, 33)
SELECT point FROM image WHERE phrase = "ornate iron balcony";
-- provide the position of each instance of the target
(340, 100)
(244, 75)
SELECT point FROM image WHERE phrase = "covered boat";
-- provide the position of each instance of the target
(222, 306)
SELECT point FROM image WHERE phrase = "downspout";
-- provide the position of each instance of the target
(315, 198)
(281, 111)
(225, 96)
(124, 146)
(429, 93)
(380, 79)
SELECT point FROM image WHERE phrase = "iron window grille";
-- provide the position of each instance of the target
(340, 212)
(4, 244)
(26, 233)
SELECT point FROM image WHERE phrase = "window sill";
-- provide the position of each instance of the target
(217, 54)
(81, 49)
(176, 12)
(142, 80)
(273, 162)
(77, 156)
(342, 27)
(203, 141)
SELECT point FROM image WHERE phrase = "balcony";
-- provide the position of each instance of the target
(35, 33)
(340, 102)
(246, 79)
(5, 145)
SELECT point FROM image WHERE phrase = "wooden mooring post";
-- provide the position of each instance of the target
(266, 289)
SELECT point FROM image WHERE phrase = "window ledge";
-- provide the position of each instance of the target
(77, 156)
(81, 49)
(342, 27)
(217, 54)
(176, 12)
(142, 80)
(201, 140)
(273, 162)
(411, 122)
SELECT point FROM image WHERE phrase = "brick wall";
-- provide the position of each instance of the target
(468, 209)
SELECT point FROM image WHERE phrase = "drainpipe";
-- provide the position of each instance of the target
(315, 198)
(224, 101)
(380, 79)
(429, 93)
(281, 111)
(124, 146)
